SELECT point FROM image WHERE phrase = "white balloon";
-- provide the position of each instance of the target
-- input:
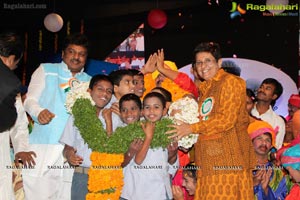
(277, 3)
(53, 22)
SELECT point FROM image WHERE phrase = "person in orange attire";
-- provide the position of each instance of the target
(179, 84)
(224, 154)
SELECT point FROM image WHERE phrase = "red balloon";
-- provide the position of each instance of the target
(157, 18)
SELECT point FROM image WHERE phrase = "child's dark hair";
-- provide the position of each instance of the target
(136, 72)
(130, 97)
(191, 170)
(165, 93)
(117, 75)
(99, 77)
(157, 95)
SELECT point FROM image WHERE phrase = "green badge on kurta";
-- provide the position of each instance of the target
(206, 107)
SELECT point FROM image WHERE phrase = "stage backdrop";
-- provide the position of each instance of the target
(254, 72)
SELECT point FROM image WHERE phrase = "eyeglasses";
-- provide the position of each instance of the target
(206, 61)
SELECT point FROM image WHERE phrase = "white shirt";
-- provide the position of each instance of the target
(150, 180)
(72, 137)
(35, 89)
(275, 121)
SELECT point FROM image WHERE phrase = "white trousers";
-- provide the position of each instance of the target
(6, 187)
(50, 178)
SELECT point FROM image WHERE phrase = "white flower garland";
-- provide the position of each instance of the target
(77, 91)
(186, 110)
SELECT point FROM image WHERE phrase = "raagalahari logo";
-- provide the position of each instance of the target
(236, 10)
(275, 10)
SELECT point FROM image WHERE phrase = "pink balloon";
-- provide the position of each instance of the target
(53, 22)
(157, 18)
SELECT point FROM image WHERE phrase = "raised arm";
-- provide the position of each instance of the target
(148, 128)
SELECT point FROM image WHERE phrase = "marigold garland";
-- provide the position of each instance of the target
(105, 174)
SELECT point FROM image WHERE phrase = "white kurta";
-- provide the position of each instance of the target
(19, 137)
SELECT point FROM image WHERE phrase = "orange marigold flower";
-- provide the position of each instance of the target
(105, 176)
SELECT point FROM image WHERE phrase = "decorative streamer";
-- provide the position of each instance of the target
(25, 59)
(40, 40)
(82, 26)
(68, 27)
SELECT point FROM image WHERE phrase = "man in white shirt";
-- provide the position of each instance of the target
(267, 94)
(45, 103)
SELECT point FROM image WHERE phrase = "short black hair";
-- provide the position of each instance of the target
(130, 97)
(210, 47)
(191, 170)
(165, 93)
(158, 95)
(99, 77)
(11, 44)
(117, 75)
(278, 87)
(136, 72)
(231, 67)
(76, 39)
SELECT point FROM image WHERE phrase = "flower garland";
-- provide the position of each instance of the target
(93, 133)
(187, 111)
(77, 91)
(105, 175)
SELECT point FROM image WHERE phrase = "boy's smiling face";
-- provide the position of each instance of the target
(130, 112)
(101, 93)
(153, 109)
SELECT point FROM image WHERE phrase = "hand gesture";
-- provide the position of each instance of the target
(266, 179)
(177, 192)
(106, 114)
(74, 159)
(150, 65)
(179, 131)
(45, 116)
(160, 59)
(257, 177)
(135, 146)
(115, 108)
(148, 128)
(295, 174)
(26, 158)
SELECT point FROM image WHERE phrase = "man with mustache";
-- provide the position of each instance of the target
(267, 94)
(45, 103)
(269, 180)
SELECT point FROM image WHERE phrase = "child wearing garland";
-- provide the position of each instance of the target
(147, 174)
(76, 150)
(130, 111)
